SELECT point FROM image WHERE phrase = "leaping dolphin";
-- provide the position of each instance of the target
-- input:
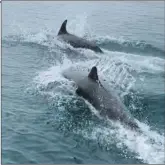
(75, 41)
(105, 101)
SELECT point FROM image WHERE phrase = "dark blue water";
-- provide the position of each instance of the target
(43, 120)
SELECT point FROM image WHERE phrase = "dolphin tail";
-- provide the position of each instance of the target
(97, 49)
(63, 28)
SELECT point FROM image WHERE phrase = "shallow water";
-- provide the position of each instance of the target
(43, 121)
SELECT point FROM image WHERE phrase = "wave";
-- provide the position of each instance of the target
(46, 40)
(129, 46)
(46, 37)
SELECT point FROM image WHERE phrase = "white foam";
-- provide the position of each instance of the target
(137, 62)
(140, 145)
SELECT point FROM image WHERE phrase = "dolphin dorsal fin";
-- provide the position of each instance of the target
(63, 28)
(93, 74)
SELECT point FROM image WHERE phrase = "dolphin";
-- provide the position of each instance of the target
(76, 41)
(104, 100)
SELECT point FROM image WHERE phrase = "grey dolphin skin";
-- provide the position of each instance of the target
(75, 41)
(105, 101)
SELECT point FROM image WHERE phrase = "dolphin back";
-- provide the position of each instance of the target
(106, 101)
(78, 42)
(75, 41)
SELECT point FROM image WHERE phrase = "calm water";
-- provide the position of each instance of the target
(43, 121)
